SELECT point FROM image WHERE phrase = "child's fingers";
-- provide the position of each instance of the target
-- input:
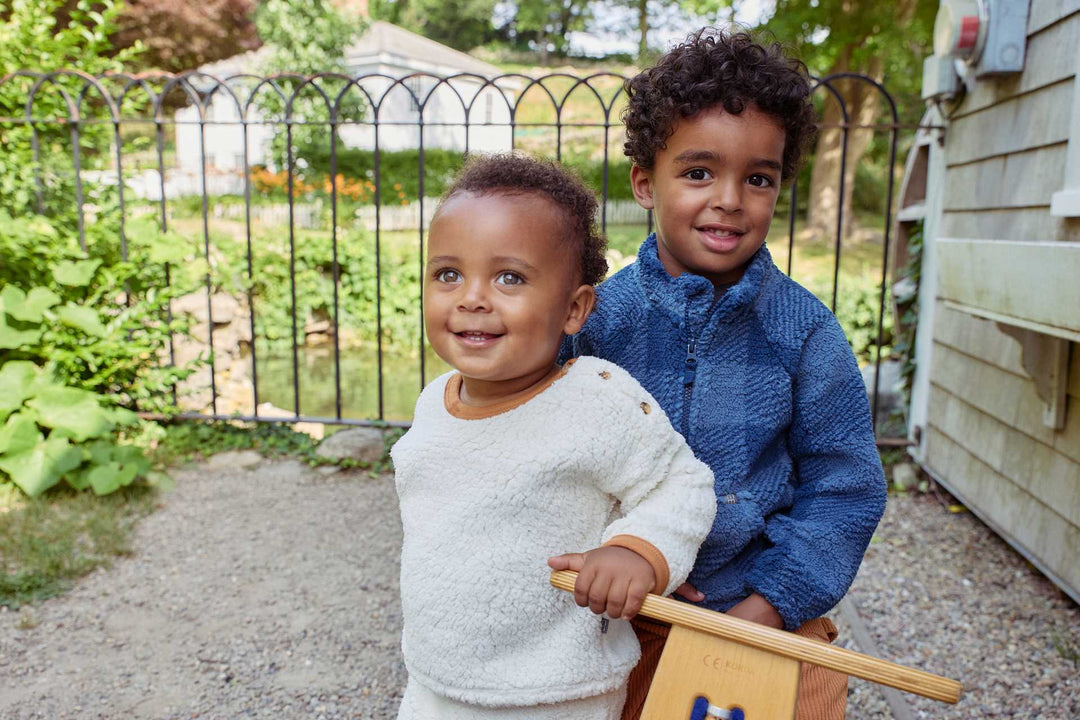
(617, 594)
(567, 561)
(635, 597)
(598, 593)
(583, 585)
(690, 592)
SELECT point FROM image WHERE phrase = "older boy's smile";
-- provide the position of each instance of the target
(713, 189)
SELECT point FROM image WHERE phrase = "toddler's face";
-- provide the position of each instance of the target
(713, 190)
(500, 289)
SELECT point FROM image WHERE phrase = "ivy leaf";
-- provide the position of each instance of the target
(81, 318)
(28, 308)
(123, 416)
(110, 477)
(39, 468)
(167, 248)
(12, 339)
(19, 434)
(16, 384)
(74, 273)
(75, 412)
(78, 479)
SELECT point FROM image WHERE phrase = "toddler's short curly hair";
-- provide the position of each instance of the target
(512, 174)
(715, 68)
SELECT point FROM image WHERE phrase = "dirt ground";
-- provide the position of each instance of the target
(270, 591)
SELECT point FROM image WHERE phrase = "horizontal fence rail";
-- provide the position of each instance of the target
(304, 201)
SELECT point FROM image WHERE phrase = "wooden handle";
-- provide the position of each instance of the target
(789, 645)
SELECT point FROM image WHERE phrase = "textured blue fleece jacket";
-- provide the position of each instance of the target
(763, 385)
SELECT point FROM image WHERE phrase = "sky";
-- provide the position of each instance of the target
(670, 27)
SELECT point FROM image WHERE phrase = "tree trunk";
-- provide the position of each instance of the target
(863, 104)
(643, 31)
(541, 44)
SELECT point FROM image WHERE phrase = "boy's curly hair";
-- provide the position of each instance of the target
(510, 174)
(717, 68)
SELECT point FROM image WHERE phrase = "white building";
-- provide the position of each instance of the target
(400, 72)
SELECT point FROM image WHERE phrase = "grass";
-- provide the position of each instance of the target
(48, 542)
(190, 440)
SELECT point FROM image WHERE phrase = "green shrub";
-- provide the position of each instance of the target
(857, 310)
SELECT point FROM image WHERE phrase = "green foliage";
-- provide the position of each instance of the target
(45, 543)
(314, 279)
(461, 24)
(400, 176)
(306, 37)
(857, 310)
(97, 320)
(908, 307)
(45, 438)
(81, 331)
(194, 440)
(399, 170)
(546, 25)
(832, 34)
(30, 40)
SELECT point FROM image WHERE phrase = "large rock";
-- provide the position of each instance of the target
(224, 307)
(362, 444)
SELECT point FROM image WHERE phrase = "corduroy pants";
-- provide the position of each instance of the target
(822, 693)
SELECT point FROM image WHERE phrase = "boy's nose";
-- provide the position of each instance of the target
(727, 196)
(473, 297)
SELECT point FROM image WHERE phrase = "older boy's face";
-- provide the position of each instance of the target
(500, 290)
(713, 190)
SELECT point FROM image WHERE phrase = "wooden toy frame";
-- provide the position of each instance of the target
(735, 663)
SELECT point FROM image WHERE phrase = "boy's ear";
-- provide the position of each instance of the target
(581, 304)
(642, 184)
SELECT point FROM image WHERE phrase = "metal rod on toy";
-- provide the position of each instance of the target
(789, 645)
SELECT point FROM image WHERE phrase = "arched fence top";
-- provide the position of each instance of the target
(242, 91)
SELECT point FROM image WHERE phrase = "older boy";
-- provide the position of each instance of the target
(751, 368)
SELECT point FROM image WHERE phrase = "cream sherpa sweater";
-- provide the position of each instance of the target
(485, 501)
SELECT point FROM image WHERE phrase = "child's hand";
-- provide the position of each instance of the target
(612, 580)
(757, 609)
(689, 592)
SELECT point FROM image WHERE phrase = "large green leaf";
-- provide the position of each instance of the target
(168, 248)
(39, 468)
(19, 434)
(28, 308)
(76, 412)
(81, 318)
(110, 477)
(76, 273)
(12, 339)
(16, 385)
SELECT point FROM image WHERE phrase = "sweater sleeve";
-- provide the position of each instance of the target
(840, 489)
(665, 494)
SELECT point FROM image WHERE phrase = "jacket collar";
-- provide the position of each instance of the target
(688, 295)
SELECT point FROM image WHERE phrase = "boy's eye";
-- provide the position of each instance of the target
(697, 174)
(760, 180)
(509, 278)
(447, 275)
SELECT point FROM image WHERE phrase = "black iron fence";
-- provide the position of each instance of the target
(303, 204)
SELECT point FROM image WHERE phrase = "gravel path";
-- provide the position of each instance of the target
(271, 592)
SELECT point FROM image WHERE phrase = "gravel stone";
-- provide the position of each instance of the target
(272, 592)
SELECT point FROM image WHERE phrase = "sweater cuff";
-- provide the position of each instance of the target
(647, 550)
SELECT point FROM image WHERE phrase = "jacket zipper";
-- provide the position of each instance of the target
(689, 371)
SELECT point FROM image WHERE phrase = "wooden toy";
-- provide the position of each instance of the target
(717, 666)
